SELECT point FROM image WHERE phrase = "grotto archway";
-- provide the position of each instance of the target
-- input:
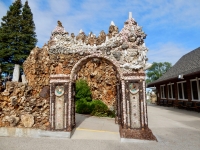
(124, 50)
(99, 62)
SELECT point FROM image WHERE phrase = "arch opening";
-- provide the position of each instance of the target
(103, 78)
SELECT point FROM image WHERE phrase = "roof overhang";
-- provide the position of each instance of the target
(153, 84)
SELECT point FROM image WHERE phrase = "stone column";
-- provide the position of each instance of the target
(24, 79)
(124, 115)
(70, 107)
(16, 73)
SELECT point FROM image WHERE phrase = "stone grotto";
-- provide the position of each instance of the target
(113, 64)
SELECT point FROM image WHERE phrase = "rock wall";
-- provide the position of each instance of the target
(18, 108)
(39, 65)
(100, 75)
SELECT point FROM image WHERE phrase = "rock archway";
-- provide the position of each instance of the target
(125, 50)
(54, 68)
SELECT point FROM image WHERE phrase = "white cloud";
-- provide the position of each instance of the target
(179, 12)
(167, 52)
(59, 6)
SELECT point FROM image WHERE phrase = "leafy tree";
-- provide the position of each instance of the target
(157, 70)
(17, 36)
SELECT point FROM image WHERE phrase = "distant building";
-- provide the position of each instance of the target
(181, 82)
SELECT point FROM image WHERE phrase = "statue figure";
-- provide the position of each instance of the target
(59, 24)
(91, 39)
(81, 37)
(72, 35)
(113, 30)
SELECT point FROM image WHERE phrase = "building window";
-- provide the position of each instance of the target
(163, 91)
(195, 89)
(182, 90)
(171, 92)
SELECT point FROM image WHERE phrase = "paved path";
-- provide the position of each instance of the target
(175, 129)
(95, 128)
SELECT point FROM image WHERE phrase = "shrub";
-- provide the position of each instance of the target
(83, 91)
(85, 104)
(83, 107)
(100, 109)
(111, 113)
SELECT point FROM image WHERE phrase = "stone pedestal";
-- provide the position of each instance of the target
(16, 73)
(24, 79)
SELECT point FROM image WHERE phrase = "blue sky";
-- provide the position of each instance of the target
(172, 26)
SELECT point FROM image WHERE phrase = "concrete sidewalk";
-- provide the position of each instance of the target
(96, 128)
(175, 129)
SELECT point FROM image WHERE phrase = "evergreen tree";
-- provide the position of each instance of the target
(17, 36)
(28, 31)
(10, 36)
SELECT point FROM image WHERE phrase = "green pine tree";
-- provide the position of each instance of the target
(28, 31)
(10, 36)
(17, 36)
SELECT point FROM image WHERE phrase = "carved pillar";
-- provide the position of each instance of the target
(124, 124)
(133, 97)
(59, 101)
(118, 109)
(145, 103)
(73, 104)
(134, 106)
(141, 103)
(52, 101)
(69, 108)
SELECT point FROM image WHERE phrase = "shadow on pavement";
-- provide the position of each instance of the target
(79, 118)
